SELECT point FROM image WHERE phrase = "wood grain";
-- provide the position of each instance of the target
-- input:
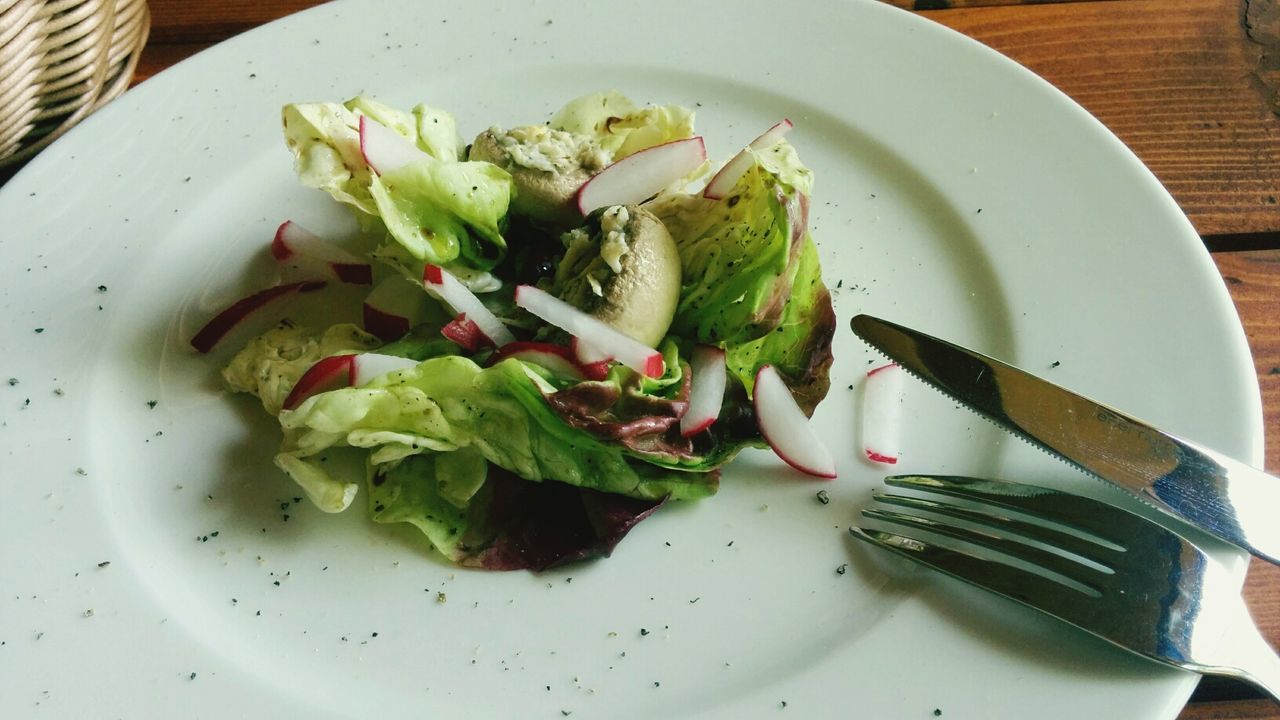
(949, 4)
(1177, 80)
(1253, 279)
(185, 21)
(1231, 710)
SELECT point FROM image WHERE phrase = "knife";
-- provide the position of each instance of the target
(1224, 497)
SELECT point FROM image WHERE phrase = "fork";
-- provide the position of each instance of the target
(1098, 567)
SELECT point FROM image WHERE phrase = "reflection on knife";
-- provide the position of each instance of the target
(1222, 496)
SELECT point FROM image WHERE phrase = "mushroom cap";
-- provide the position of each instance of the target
(640, 300)
(543, 195)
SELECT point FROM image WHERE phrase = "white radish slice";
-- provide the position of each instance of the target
(224, 322)
(785, 427)
(384, 149)
(598, 334)
(367, 366)
(586, 354)
(327, 374)
(592, 361)
(706, 392)
(394, 307)
(724, 180)
(882, 413)
(450, 290)
(638, 176)
(295, 244)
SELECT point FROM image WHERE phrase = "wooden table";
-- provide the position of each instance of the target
(1190, 85)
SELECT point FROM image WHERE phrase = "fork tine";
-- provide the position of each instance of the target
(1103, 522)
(995, 517)
(1069, 573)
(1035, 591)
(1153, 604)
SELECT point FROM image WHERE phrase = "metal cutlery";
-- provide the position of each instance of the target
(1103, 569)
(1218, 494)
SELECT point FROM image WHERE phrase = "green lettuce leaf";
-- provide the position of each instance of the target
(800, 346)
(270, 365)
(738, 254)
(439, 210)
(325, 141)
(619, 126)
(447, 403)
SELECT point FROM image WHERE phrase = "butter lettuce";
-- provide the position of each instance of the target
(738, 254)
(439, 209)
(440, 212)
(621, 127)
(448, 403)
(270, 365)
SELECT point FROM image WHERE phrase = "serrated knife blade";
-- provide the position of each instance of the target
(1222, 496)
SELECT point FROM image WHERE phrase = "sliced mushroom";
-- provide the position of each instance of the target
(624, 269)
(547, 166)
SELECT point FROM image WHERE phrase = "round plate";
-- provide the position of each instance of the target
(154, 561)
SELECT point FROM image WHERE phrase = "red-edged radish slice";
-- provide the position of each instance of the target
(601, 336)
(466, 333)
(327, 374)
(592, 361)
(384, 149)
(882, 413)
(450, 290)
(340, 371)
(785, 427)
(636, 177)
(394, 307)
(297, 245)
(724, 180)
(367, 366)
(558, 359)
(706, 391)
(223, 322)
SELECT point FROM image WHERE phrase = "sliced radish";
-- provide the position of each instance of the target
(586, 354)
(786, 428)
(449, 290)
(882, 413)
(592, 361)
(223, 322)
(724, 180)
(466, 333)
(340, 371)
(327, 374)
(384, 149)
(299, 246)
(367, 366)
(636, 177)
(706, 392)
(559, 359)
(394, 307)
(598, 334)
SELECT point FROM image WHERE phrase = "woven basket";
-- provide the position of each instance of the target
(59, 61)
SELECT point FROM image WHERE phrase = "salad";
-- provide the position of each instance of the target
(569, 323)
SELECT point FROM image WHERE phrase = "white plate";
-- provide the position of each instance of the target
(955, 192)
